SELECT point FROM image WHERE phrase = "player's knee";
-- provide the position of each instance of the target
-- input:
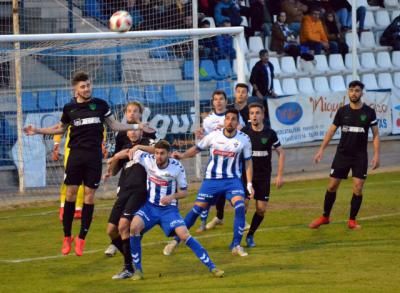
(112, 230)
(261, 211)
(123, 226)
(183, 236)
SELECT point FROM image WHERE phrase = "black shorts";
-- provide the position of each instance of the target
(127, 203)
(262, 189)
(84, 166)
(342, 164)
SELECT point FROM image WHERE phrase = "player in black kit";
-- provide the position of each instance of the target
(263, 139)
(85, 115)
(354, 119)
(131, 195)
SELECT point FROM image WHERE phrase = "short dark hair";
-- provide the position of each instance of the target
(233, 111)
(355, 83)
(242, 85)
(262, 52)
(256, 105)
(163, 144)
(78, 77)
(218, 92)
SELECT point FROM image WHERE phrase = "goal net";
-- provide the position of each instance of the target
(155, 68)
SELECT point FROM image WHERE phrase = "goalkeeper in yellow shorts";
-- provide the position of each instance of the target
(63, 190)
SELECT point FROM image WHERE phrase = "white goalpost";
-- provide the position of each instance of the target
(160, 69)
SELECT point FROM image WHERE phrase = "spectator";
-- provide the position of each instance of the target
(343, 14)
(207, 47)
(257, 16)
(333, 32)
(224, 42)
(283, 39)
(391, 35)
(226, 10)
(313, 34)
(294, 10)
(262, 76)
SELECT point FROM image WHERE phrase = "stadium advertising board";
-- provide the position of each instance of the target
(301, 118)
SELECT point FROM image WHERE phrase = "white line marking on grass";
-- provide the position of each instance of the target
(22, 260)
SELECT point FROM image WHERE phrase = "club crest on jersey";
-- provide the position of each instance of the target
(363, 117)
(236, 144)
(92, 107)
(264, 140)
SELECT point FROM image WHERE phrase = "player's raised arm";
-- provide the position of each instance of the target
(144, 148)
(376, 144)
(113, 165)
(58, 128)
(328, 136)
(118, 126)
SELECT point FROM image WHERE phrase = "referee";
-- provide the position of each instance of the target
(85, 115)
(354, 119)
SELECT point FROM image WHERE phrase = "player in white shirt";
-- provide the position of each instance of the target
(166, 183)
(214, 121)
(223, 176)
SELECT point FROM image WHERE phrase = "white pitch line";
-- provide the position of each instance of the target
(22, 260)
(105, 207)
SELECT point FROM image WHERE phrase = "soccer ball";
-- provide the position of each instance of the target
(120, 21)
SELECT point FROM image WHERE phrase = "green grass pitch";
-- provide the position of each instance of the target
(289, 256)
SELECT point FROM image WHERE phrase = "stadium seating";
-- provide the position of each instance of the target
(382, 18)
(188, 69)
(277, 67)
(396, 79)
(305, 85)
(100, 93)
(385, 80)
(169, 94)
(289, 86)
(277, 87)
(369, 20)
(207, 71)
(255, 44)
(336, 62)
(152, 94)
(224, 68)
(252, 62)
(370, 82)
(46, 100)
(134, 94)
(367, 41)
(396, 59)
(63, 97)
(348, 60)
(383, 60)
(350, 78)
(117, 96)
(29, 102)
(226, 87)
(288, 66)
(322, 63)
(336, 83)
(321, 84)
(368, 61)
(395, 13)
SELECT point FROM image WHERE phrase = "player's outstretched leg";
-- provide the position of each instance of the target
(190, 219)
(198, 250)
(203, 219)
(238, 228)
(219, 219)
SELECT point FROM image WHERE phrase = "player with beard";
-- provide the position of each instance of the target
(223, 176)
(354, 120)
(85, 115)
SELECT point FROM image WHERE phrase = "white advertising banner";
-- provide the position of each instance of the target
(302, 118)
(396, 112)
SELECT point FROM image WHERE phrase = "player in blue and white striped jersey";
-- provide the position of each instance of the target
(166, 183)
(223, 176)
